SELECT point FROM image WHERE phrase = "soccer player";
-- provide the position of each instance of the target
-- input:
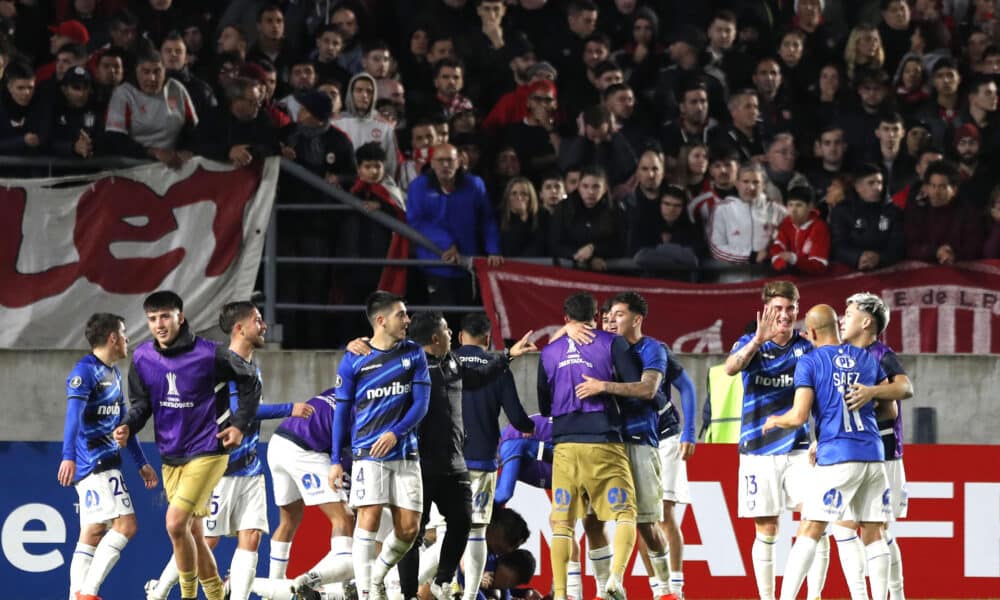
(865, 318)
(480, 415)
(850, 474)
(91, 460)
(772, 467)
(174, 378)
(299, 456)
(590, 461)
(640, 412)
(387, 393)
(239, 501)
(525, 458)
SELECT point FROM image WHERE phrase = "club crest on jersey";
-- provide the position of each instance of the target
(172, 385)
(76, 382)
(406, 363)
(797, 352)
(339, 381)
(844, 361)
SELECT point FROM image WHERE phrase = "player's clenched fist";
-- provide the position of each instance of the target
(121, 434)
(335, 477)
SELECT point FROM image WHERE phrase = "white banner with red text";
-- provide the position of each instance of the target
(950, 542)
(72, 246)
(943, 310)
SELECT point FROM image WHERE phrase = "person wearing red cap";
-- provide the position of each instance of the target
(967, 146)
(67, 32)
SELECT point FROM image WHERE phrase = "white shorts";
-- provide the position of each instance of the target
(899, 496)
(858, 489)
(645, 463)
(238, 504)
(103, 498)
(390, 482)
(300, 474)
(484, 487)
(770, 484)
(673, 471)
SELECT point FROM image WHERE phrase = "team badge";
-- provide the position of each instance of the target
(406, 363)
(76, 382)
(883, 223)
(376, 134)
(331, 158)
(339, 381)
(844, 361)
(797, 352)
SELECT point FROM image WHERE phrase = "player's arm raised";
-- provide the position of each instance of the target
(767, 328)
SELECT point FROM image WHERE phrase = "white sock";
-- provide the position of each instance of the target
(574, 581)
(762, 554)
(474, 561)
(168, 579)
(661, 572)
(273, 589)
(816, 578)
(677, 582)
(393, 550)
(82, 557)
(655, 585)
(334, 567)
(600, 558)
(364, 556)
(799, 560)
(108, 551)
(877, 554)
(278, 559)
(430, 557)
(852, 560)
(895, 567)
(242, 571)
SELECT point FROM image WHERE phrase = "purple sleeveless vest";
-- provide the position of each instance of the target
(316, 432)
(566, 363)
(893, 441)
(182, 398)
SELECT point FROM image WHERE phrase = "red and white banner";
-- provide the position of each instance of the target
(950, 541)
(935, 309)
(72, 246)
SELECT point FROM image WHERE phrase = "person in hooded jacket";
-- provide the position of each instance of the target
(586, 228)
(76, 122)
(363, 124)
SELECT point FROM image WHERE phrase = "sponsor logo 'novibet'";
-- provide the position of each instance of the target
(394, 389)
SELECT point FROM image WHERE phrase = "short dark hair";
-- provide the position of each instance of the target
(327, 29)
(423, 326)
(451, 63)
(163, 300)
(477, 324)
(372, 45)
(723, 153)
(600, 37)
(272, 7)
(148, 55)
(378, 302)
(580, 306)
(238, 88)
(614, 88)
(867, 170)
(576, 7)
(234, 312)
(674, 191)
(237, 28)
(592, 170)
(978, 80)
(634, 300)
(372, 151)
(18, 69)
(723, 15)
(123, 17)
(100, 326)
(79, 51)
(945, 168)
(521, 562)
(596, 115)
(605, 66)
(890, 116)
(173, 36)
(512, 524)
(802, 193)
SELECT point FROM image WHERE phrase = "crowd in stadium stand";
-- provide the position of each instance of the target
(805, 135)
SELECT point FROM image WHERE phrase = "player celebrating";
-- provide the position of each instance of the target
(772, 467)
(91, 460)
(850, 474)
(387, 394)
(175, 378)
(590, 461)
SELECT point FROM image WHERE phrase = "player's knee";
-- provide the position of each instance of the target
(249, 539)
(767, 525)
(178, 523)
(126, 526)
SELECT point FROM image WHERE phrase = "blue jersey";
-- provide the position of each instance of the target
(96, 406)
(387, 390)
(670, 422)
(769, 389)
(243, 460)
(640, 416)
(844, 435)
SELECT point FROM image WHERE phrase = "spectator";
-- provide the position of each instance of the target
(692, 169)
(345, 19)
(264, 74)
(553, 192)
(641, 208)
(423, 137)
(76, 121)
(108, 74)
(240, 132)
(895, 30)
(744, 225)
(232, 38)
(68, 56)
(860, 124)
(601, 146)
(780, 168)
(693, 124)
(448, 84)
(535, 139)
(452, 208)
(910, 83)
(513, 106)
(362, 123)
(123, 28)
(151, 118)
(795, 73)
(394, 93)
(594, 76)
(271, 43)
(320, 147)
(722, 168)
(864, 51)
(158, 17)
(981, 111)
(376, 60)
(673, 241)
(897, 165)
(991, 247)
(563, 47)
(586, 227)
(915, 191)
(820, 41)
(941, 230)
(631, 123)
(940, 110)
(302, 79)
(24, 116)
(802, 244)
(967, 150)
(175, 59)
(830, 149)
(867, 231)
(828, 96)
(642, 56)
(743, 134)
(194, 40)
(777, 111)
(522, 224)
(329, 44)
(67, 32)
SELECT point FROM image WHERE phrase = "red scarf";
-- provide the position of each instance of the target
(393, 277)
